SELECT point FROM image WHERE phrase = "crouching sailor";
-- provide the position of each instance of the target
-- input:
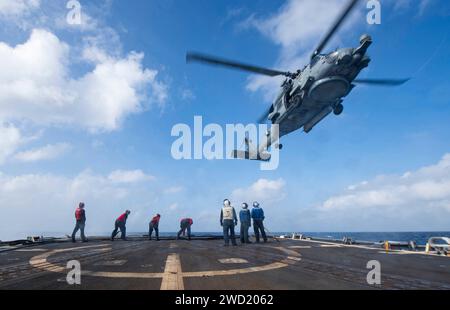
(121, 224)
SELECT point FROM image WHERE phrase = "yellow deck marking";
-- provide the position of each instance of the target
(41, 262)
(31, 250)
(288, 252)
(173, 277)
(173, 274)
(111, 263)
(232, 272)
(124, 275)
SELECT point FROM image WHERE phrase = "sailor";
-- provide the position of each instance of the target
(185, 225)
(258, 219)
(120, 224)
(246, 223)
(80, 217)
(228, 220)
(154, 225)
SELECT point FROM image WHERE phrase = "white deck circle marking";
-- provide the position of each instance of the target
(233, 261)
(111, 263)
(172, 276)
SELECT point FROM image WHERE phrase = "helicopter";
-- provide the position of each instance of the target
(309, 95)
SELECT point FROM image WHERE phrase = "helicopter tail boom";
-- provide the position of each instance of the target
(248, 155)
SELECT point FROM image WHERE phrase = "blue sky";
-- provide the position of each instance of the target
(86, 113)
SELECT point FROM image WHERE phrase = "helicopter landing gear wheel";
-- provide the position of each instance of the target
(338, 109)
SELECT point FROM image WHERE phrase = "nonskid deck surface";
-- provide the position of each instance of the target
(206, 264)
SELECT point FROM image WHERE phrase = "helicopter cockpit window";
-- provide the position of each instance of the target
(332, 58)
(316, 59)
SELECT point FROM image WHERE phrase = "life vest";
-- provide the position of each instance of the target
(227, 213)
(79, 214)
(187, 220)
(122, 218)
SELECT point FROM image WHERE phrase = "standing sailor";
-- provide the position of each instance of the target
(246, 223)
(258, 222)
(80, 217)
(121, 224)
(154, 225)
(228, 220)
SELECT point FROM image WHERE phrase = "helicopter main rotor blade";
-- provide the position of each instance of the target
(215, 61)
(382, 82)
(335, 27)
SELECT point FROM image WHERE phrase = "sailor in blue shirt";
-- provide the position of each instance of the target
(258, 219)
(246, 223)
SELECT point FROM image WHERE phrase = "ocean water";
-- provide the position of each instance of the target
(420, 238)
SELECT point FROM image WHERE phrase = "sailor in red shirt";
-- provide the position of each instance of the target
(120, 224)
(185, 224)
(80, 217)
(154, 225)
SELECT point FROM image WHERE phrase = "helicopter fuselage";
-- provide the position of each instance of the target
(316, 91)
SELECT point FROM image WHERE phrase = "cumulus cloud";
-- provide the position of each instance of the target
(35, 85)
(50, 151)
(414, 201)
(173, 207)
(10, 140)
(133, 176)
(427, 187)
(174, 190)
(264, 190)
(45, 203)
(18, 7)
(403, 5)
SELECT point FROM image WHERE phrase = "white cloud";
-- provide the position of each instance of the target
(133, 176)
(265, 191)
(403, 5)
(47, 152)
(18, 7)
(173, 207)
(35, 85)
(10, 140)
(40, 203)
(187, 95)
(426, 187)
(174, 190)
(414, 201)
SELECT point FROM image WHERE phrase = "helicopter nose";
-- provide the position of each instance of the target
(345, 59)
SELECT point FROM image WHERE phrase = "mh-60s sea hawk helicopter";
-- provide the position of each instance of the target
(311, 94)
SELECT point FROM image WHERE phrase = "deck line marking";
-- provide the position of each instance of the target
(233, 261)
(198, 274)
(173, 275)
